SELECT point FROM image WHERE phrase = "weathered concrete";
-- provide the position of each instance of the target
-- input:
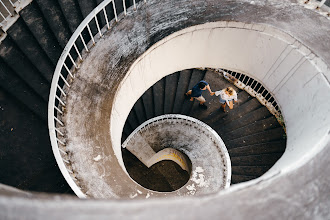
(210, 163)
(92, 94)
(300, 194)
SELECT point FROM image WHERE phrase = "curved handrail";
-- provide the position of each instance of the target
(68, 61)
(212, 134)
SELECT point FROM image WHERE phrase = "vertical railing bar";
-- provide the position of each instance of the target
(134, 4)
(75, 47)
(60, 100)
(82, 39)
(259, 88)
(61, 123)
(90, 33)
(243, 78)
(6, 8)
(273, 102)
(64, 80)
(57, 109)
(59, 132)
(270, 96)
(11, 3)
(4, 18)
(124, 5)
(322, 3)
(247, 83)
(97, 25)
(67, 69)
(106, 18)
(114, 10)
(61, 142)
(74, 63)
(61, 90)
(255, 84)
(62, 151)
(66, 161)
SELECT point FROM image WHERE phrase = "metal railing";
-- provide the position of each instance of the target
(320, 6)
(82, 40)
(183, 119)
(255, 89)
(7, 9)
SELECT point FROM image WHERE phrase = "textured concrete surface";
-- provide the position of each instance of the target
(107, 63)
(302, 193)
(198, 142)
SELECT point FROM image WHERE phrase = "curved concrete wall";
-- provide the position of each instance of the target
(286, 67)
(252, 45)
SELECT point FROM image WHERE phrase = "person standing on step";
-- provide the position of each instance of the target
(227, 96)
(196, 93)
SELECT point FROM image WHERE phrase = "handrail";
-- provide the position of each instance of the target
(255, 89)
(212, 135)
(68, 62)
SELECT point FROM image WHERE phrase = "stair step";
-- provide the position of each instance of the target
(40, 29)
(139, 111)
(148, 103)
(21, 91)
(71, 13)
(158, 92)
(24, 68)
(256, 127)
(256, 160)
(238, 113)
(256, 115)
(258, 149)
(171, 84)
(182, 88)
(26, 43)
(249, 170)
(241, 178)
(257, 138)
(51, 11)
(196, 76)
(132, 120)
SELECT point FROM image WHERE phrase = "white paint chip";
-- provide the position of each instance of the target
(97, 158)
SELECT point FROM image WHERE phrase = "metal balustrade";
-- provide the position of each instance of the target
(80, 43)
(255, 89)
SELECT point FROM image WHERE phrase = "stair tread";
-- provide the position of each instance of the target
(258, 114)
(241, 178)
(256, 149)
(256, 127)
(249, 170)
(255, 160)
(23, 68)
(148, 103)
(171, 83)
(261, 137)
(158, 92)
(183, 88)
(38, 25)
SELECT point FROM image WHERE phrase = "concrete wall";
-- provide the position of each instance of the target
(295, 76)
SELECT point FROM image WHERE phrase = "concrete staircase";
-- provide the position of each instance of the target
(28, 56)
(253, 137)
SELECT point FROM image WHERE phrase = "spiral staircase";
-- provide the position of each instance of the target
(254, 138)
(32, 41)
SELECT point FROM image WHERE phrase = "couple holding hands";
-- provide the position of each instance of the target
(227, 95)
